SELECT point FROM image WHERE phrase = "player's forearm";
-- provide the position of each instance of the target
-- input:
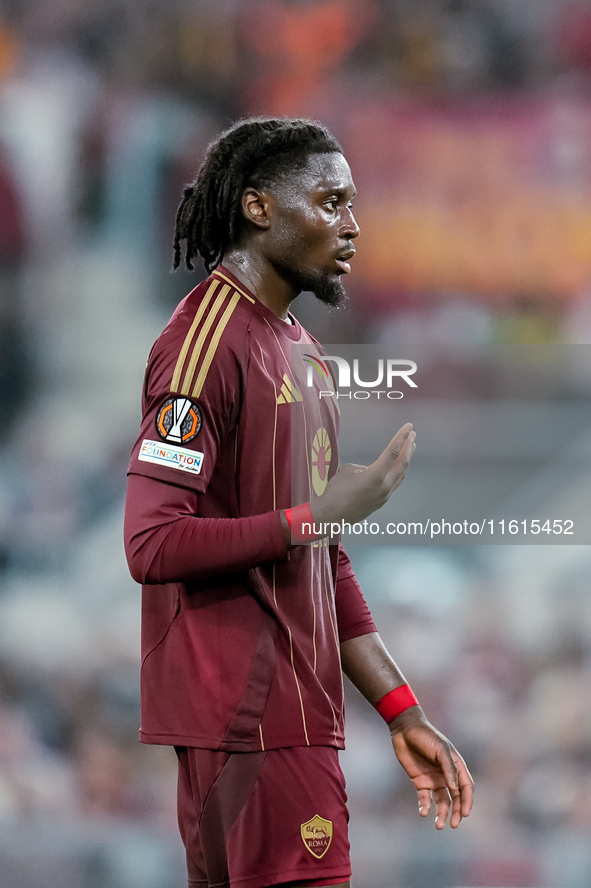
(367, 663)
(165, 543)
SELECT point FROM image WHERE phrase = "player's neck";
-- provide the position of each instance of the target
(263, 282)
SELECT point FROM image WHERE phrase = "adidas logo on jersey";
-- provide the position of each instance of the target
(288, 392)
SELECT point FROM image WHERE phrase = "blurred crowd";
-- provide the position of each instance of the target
(445, 108)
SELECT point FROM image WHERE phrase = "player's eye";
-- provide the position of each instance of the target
(331, 204)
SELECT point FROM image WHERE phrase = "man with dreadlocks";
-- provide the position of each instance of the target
(248, 617)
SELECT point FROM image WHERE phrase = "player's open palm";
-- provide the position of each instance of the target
(435, 767)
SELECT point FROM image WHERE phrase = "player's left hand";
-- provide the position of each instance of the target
(435, 767)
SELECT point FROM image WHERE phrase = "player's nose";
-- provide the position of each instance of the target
(350, 227)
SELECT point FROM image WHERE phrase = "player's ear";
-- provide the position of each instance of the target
(255, 207)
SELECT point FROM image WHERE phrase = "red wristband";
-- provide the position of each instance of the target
(395, 702)
(297, 518)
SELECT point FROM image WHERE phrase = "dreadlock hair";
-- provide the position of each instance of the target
(253, 152)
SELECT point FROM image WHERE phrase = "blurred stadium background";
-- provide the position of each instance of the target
(468, 127)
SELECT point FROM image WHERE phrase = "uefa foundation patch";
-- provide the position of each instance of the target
(317, 835)
(172, 457)
(178, 421)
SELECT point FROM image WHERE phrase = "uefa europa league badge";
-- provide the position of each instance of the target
(178, 420)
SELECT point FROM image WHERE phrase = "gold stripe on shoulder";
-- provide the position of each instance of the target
(222, 275)
(215, 339)
(205, 328)
(176, 376)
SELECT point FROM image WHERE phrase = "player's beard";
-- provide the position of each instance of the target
(328, 290)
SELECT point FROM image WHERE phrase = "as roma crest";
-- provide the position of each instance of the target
(178, 420)
(321, 457)
(317, 835)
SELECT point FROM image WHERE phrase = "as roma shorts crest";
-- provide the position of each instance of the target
(317, 835)
(178, 421)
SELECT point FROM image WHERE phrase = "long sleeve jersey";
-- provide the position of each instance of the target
(240, 637)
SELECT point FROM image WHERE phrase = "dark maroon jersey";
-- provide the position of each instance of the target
(240, 639)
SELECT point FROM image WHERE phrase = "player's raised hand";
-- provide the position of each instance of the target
(435, 767)
(357, 491)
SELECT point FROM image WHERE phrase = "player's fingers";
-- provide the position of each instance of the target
(456, 812)
(397, 472)
(448, 767)
(391, 465)
(466, 785)
(442, 806)
(424, 796)
(462, 796)
(402, 441)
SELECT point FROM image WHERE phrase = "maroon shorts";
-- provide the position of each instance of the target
(254, 819)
